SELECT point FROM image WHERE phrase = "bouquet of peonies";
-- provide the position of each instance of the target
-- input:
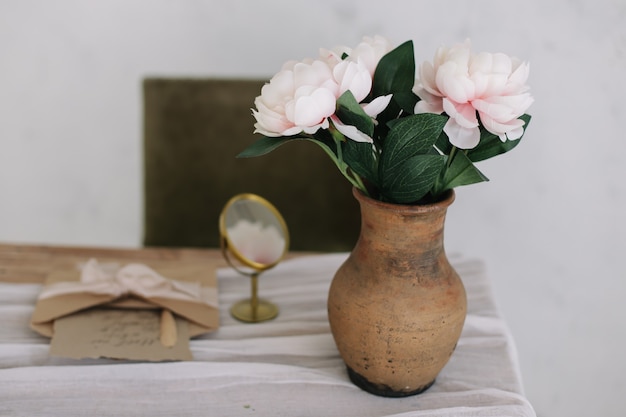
(397, 137)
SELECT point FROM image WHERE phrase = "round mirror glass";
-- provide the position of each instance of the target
(254, 231)
(255, 234)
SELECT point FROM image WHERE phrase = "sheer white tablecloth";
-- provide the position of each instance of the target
(285, 367)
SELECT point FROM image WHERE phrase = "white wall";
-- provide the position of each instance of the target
(550, 224)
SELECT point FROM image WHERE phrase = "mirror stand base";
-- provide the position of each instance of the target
(244, 311)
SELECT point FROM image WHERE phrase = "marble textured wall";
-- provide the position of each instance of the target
(550, 224)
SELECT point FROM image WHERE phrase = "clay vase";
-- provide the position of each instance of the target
(396, 306)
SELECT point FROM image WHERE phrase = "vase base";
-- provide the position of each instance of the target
(383, 390)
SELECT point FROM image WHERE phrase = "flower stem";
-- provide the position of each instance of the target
(350, 175)
(440, 185)
(358, 183)
(451, 157)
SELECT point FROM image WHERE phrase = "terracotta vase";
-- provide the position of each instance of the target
(396, 306)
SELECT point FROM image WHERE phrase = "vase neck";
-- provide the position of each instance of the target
(403, 227)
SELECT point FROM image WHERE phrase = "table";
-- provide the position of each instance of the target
(285, 367)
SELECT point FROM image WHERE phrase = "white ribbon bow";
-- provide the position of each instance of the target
(133, 279)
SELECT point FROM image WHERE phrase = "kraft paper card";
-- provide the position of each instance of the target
(117, 334)
(80, 304)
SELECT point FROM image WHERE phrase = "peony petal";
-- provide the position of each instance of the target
(502, 64)
(351, 132)
(429, 103)
(461, 137)
(268, 127)
(454, 82)
(280, 85)
(269, 122)
(428, 79)
(310, 110)
(312, 129)
(496, 111)
(518, 77)
(459, 53)
(259, 129)
(481, 83)
(514, 134)
(498, 128)
(377, 105)
(355, 77)
(488, 63)
(463, 113)
(504, 108)
(370, 51)
(333, 57)
(294, 131)
(311, 74)
(487, 85)
(423, 106)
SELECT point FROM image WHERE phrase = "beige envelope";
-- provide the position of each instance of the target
(202, 318)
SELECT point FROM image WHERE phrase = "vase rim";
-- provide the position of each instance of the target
(447, 198)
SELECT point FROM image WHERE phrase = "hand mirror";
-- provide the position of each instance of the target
(253, 231)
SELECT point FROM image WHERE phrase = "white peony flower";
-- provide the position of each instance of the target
(303, 95)
(353, 69)
(299, 98)
(490, 88)
(368, 53)
(353, 76)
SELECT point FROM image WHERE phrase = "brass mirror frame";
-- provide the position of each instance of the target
(252, 310)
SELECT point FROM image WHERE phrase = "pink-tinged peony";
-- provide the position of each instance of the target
(353, 69)
(299, 98)
(355, 76)
(302, 97)
(490, 88)
(368, 53)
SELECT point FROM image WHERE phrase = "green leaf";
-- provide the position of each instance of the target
(490, 145)
(263, 146)
(460, 172)
(395, 71)
(406, 100)
(443, 144)
(410, 136)
(394, 74)
(413, 179)
(351, 113)
(266, 144)
(360, 158)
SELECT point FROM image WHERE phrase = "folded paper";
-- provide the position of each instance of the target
(132, 286)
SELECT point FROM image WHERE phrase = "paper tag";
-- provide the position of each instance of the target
(117, 334)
